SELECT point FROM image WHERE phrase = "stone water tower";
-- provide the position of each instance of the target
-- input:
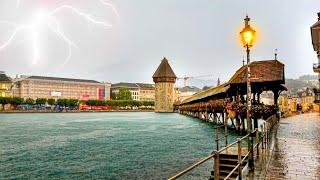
(164, 79)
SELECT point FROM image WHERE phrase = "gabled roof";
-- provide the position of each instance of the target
(61, 79)
(164, 70)
(125, 84)
(189, 89)
(4, 77)
(132, 85)
(223, 88)
(144, 85)
(261, 71)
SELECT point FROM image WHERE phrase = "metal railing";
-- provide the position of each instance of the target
(264, 140)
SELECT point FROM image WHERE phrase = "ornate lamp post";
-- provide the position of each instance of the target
(315, 35)
(247, 37)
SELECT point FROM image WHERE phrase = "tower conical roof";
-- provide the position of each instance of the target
(164, 70)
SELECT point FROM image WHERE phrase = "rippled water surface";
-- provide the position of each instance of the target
(102, 145)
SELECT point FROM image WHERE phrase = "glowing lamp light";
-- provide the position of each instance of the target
(247, 34)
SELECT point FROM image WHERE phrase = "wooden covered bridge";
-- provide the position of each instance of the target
(212, 104)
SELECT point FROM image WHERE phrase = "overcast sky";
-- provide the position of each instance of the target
(198, 37)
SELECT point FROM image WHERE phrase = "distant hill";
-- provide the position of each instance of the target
(308, 77)
(303, 82)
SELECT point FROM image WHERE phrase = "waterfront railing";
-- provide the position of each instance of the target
(262, 141)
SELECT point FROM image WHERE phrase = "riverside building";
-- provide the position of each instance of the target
(56, 88)
(139, 91)
(5, 85)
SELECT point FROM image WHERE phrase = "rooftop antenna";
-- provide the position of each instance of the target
(276, 54)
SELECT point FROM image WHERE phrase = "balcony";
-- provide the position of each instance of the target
(316, 67)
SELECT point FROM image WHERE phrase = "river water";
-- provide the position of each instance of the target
(103, 145)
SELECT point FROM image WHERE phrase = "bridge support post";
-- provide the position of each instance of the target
(250, 149)
(223, 120)
(239, 158)
(257, 141)
(243, 125)
(216, 166)
(255, 122)
(217, 137)
(262, 136)
(238, 124)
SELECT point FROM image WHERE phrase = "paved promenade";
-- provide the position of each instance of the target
(297, 149)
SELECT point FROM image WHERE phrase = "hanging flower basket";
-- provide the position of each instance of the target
(232, 114)
(232, 109)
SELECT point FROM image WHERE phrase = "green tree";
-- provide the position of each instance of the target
(124, 94)
(16, 101)
(29, 101)
(71, 102)
(41, 101)
(4, 100)
(61, 102)
(113, 96)
(51, 102)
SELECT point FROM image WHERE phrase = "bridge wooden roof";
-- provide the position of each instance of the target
(266, 75)
(207, 93)
(261, 71)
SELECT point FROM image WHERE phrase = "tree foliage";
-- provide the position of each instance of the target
(67, 102)
(51, 102)
(29, 101)
(72, 102)
(4, 100)
(16, 101)
(124, 94)
(119, 103)
(41, 101)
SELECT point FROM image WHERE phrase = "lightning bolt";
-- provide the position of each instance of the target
(18, 4)
(50, 21)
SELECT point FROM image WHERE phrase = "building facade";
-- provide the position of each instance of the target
(146, 92)
(132, 87)
(5, 85)
(59, 88)
(164, 79)
(187, 91)
(139, 91)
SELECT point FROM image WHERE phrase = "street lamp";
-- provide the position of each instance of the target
(247, 37)
(315, 35)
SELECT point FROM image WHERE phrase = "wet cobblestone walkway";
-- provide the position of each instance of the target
(297, 149)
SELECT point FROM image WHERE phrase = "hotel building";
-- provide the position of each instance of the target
(57, 88)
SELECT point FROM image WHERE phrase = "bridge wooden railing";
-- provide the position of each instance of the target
(262, 141)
